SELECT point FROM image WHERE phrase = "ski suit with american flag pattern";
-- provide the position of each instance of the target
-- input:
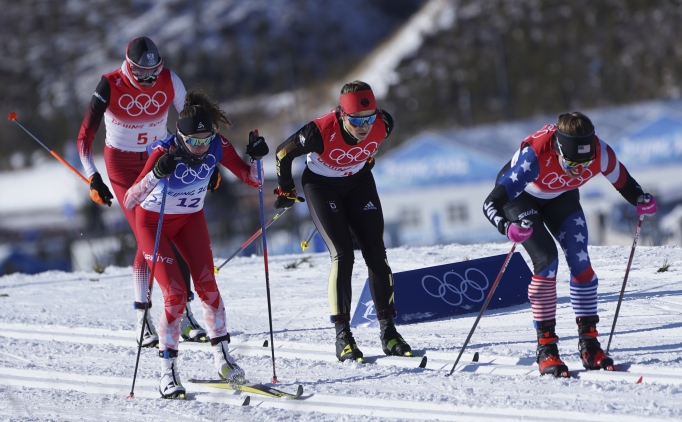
(534, 186)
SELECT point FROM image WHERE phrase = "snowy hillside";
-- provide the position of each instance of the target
(68, 349)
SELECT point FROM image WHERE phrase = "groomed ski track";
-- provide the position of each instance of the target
(67, 349)
(343, 403)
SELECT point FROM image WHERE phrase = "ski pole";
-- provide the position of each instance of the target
(151, 280)
(249, 240)
(259, 168)
(13, 117)
(525, 224)
(306, 243)
(625, 280)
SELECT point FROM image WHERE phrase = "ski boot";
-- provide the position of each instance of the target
(149, 338)
(190, 330)
(224, 363)
(591, 353)
(547, 357)
(170, 386)
(346, 348)
(391, 342)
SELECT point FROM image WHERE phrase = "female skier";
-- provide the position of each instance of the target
(189, 158)
(342, 198)
(134, 102)
(540, 184)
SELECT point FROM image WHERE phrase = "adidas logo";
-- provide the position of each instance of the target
(369, 206)
(201, 125)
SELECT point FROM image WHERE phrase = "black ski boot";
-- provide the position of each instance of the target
(591, 353)
(548, 359)
(392, 342)
(346, 348)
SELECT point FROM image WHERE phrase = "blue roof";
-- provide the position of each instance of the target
(428, 160)
(657, 141)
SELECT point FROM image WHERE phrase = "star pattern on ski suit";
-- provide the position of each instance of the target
(524, 170)
(582, 255)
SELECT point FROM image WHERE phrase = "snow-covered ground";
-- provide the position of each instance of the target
(68, 349)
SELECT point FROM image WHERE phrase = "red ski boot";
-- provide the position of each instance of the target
(548, 359)
(591, 353)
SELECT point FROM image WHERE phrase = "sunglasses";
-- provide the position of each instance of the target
(575, 166)
(359, 121)
(197, 142)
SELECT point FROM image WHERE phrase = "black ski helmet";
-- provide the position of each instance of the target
(143, 63)
(142, 52)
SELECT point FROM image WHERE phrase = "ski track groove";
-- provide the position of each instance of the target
(437, 360)
(347, 404)
(332, 404)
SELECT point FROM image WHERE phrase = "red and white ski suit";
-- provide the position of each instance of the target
(133, 118)
(184, 224)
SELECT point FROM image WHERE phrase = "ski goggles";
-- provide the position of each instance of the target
(359, 121)
(576, 167)
(197, 142)
(144, 74)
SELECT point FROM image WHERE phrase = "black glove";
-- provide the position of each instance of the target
(215, 179)
(165, 165)
(257, 148)
(285, 199)
(99, 192)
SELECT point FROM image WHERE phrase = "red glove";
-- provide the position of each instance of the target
(285, 199)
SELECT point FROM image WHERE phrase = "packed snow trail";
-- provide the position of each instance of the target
(68, 349)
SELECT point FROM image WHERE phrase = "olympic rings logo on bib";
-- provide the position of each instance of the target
(354, 155)
(189, 175)
(556, 181)
(143, 103)
(452, 294)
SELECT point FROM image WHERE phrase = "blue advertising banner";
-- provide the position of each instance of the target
(451, 289)
(657, 142)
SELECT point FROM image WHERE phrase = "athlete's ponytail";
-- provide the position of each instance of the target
(195, 100)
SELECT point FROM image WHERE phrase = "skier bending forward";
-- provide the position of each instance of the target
(540, 184)
(189, 157)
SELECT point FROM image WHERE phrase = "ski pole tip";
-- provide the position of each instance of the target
(215, 270)
(304, 245)
(12, 116)
(130, 396)
(274, 380)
